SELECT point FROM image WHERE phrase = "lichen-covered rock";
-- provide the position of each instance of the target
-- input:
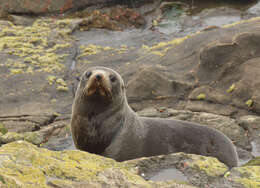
(253, 162)
(198, 170)
(32, 137)
(248, 176)
(24, 165)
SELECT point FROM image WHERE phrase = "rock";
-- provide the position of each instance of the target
(219, 64)
(250, 123)
(20, 126)
(57, 132)
(32, 137)
(253, 162)
(211, 95)
(173, 80)
(148, 84)
(24, 122)
(29, 56)
(204, 106)
(248, 86)
(248, 176)
(37, 166)
(198, 170)
(44, 6)
(43, 168)
(112, 18)
(22, 20)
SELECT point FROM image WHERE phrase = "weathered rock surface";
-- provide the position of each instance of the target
(24, 165)
(198, 170)
(210, 77)
(45, 6)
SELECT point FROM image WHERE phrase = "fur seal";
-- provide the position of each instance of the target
(103, 123)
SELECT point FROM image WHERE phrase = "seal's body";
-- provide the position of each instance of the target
(103, 123)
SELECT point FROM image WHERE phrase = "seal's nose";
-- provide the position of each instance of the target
(98, 77)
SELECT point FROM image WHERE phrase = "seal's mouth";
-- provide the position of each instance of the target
(98, 88)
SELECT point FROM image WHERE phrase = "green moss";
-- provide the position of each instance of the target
(3, 130)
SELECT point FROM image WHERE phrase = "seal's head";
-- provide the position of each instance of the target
(102, 86)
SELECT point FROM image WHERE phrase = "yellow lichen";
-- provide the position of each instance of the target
(51, 79)
(34, 47)
(211, 166)
(231, 88)
(240, 22)
(201, 96)
(62, 88)
(95, 49)
(16, 71)
(163, 47)
(161, 54)
(61, 82)
(249, 176)
(249, 103)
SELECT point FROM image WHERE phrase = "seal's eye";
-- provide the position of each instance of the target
(88, 74)
(112, 78)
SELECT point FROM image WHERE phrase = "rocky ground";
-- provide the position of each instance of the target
(210, 77)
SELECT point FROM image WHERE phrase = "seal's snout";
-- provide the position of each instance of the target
(98, 77)
(98, 85)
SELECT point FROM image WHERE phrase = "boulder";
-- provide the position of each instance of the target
(24, 165)
(35, 167)
(45, 6)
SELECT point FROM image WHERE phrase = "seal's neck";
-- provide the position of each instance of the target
(101, 125)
